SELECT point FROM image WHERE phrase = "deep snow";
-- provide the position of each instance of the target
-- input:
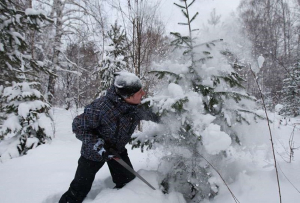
(46, 172)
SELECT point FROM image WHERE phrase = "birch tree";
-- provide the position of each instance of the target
(70, 17)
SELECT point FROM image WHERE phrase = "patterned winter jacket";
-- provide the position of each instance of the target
(111, 119)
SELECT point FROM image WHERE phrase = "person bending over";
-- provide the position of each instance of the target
(107, 123)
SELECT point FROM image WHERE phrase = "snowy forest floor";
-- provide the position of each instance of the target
(45, 173)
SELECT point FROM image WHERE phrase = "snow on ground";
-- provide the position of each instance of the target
(45, 173)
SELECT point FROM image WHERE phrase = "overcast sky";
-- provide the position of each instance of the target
(172, 14)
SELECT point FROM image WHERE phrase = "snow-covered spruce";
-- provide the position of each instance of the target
(26, 115)
(114, 56)
(291, 92)
(201, 102)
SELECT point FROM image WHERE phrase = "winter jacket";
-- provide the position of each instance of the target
(111, 119)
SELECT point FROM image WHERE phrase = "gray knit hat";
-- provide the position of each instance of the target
(126, 84)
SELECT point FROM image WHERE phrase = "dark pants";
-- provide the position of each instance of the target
(85, 175)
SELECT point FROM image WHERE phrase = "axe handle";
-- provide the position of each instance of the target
(125, 165)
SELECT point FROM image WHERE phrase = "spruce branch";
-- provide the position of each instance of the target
(193, 18)
(161, 74)
(184, 13)
(251, 112)
(233, 80)
(209, 43)
(183, 24)
(191, 3)
(234, 95)
(176, 34)
(179, 6)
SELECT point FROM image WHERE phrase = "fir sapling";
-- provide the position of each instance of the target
(114, 57)
(200, 104)
(27, 115)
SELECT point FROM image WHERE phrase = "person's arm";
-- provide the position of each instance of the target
(145, 113)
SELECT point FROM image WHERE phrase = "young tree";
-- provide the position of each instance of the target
(214, 18)
(115, 56)
(200, 106)
(27, 116)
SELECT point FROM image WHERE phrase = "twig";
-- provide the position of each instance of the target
(233, 196)
(53, 125)
(282, 156)
(291, 144)
(271, 137)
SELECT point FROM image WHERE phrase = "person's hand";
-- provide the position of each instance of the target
(107, 156)
(103, 150)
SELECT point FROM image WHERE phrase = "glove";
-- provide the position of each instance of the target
(107, 157)
(100, 147)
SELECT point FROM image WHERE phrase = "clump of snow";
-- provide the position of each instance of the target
(26, 107)
(8, 149)
(11, 123)
(32, 142)
(175, 90)
(195, 101)
(260, 61)
(170, 66)
(278, 107)
(31, 11)
(214, 140)
(1, 47)
(46, 123)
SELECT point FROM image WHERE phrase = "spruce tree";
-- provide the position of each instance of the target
(22, 105)
(204, 98)
(291, 92)
(27, 116)
(115, 55)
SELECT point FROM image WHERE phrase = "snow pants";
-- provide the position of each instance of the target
(85, 175)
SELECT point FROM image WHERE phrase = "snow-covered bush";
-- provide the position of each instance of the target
(27, 114)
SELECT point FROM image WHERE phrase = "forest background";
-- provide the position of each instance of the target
(74, 46)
